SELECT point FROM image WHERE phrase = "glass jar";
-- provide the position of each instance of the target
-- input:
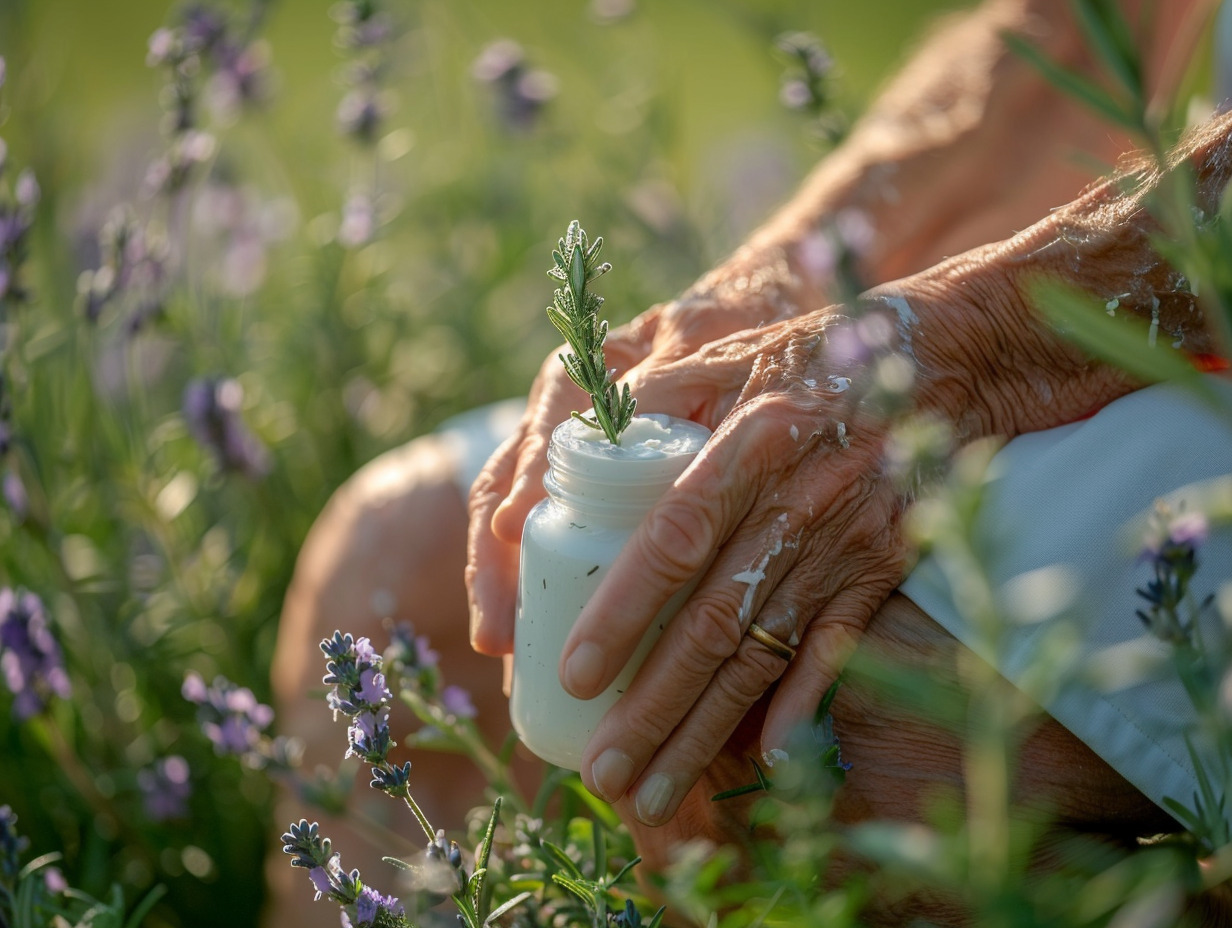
(598, 493)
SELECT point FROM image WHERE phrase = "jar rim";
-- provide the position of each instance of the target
(662, 445)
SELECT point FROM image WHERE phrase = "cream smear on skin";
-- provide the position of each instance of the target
(754, 576)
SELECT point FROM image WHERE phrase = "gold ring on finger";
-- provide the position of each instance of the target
(774, 645)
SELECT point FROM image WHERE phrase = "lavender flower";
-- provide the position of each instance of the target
(240, 79)
(457, 702)
(358, 225)
(14, 493)
(1174, 537)
(29, 654)
(54, 881)
(231, 717)
(190, 150)
(165, 788)
(134, 268)
(439, 872)
(1171, 550)
(412, 660)
(370, 906)
(368, 736)
(629, 918)
(366, 32)
(362, 112)
(362, 26)
(16, 220)
(212, 412)
(831, 253)
(239, 226)
(312, 851)
(362, 905)
(206, 52)
(359, 692)
(807, 85)
(520, 91)
(354, 670)
(12, 845)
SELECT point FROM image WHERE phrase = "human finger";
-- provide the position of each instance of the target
(755, 450)
(739, 683)
(697, 683)
(552, 398)
(714, 684)
(694, 744)
(491, 579)
(823, 651)
(669, 550)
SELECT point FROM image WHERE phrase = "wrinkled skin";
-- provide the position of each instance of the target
(793, 481)
(777, 470)
(903, 763)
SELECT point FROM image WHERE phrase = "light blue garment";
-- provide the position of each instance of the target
(1058, 526)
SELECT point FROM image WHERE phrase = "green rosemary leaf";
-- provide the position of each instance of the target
(575, 314)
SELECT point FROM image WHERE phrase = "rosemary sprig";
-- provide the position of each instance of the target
(575, 313)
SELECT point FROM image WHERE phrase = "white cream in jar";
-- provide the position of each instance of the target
(598, 493)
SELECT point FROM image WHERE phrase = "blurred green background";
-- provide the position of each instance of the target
(665, 134)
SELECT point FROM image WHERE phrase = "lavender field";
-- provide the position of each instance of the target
(245, 248)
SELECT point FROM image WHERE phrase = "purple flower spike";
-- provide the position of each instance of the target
(212, 411)
(15, 496)
(231, 717)
(520, 92)
(457, 701)
(30, 657)
(1174, 536)
(165, 788)
(194, 688)
(1170, 548)
(369, 904)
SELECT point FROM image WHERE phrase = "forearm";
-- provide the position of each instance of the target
(984, 357)
(967, 145)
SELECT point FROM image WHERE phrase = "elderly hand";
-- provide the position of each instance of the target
(751, 289)
(794, 520)
(789, 515)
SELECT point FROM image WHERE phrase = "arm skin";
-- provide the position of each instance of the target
(738, 352)
(966, 124)
(815, 508)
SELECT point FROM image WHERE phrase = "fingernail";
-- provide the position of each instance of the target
(611, 772)
(584, 670)
(653, 797)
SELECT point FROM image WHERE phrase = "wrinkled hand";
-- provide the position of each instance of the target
(791, 501)
(729, 299)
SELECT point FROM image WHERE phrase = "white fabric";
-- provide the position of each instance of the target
(1057, 523)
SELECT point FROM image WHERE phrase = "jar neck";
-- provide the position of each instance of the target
(619, 485)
